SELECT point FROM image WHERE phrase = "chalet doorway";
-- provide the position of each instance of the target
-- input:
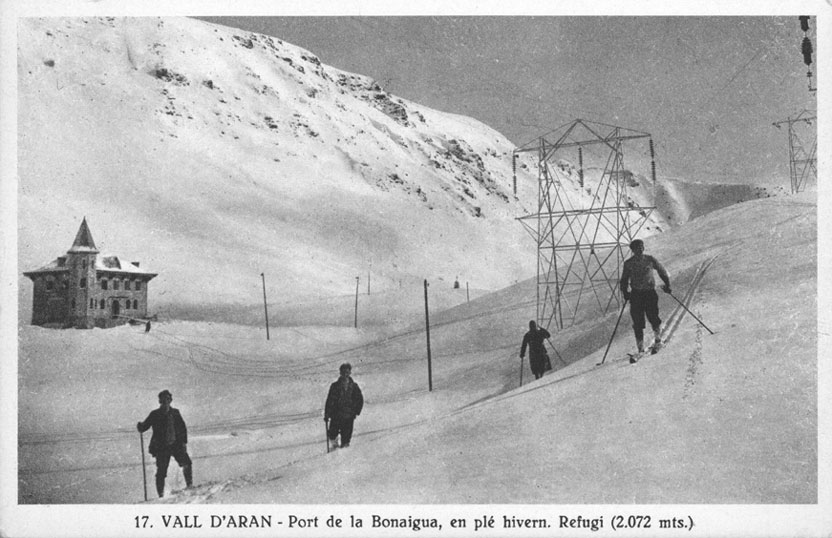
(116, 309)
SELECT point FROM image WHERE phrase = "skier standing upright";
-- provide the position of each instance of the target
(170, 438)
(535, 339)
(637, 276)
(343, 403)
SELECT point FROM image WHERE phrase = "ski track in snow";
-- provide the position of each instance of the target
(694, 363)
(679, 312)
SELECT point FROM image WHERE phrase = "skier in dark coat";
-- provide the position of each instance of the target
(535, 339)
(170, 438)
(343, 403)
(637, 276)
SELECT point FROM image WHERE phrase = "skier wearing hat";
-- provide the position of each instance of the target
(343, 403)
(637, 276)
(170, 438)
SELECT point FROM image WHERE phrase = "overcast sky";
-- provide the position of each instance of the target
(707, 88)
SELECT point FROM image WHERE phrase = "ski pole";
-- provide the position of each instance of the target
(521, 370)
(689, 312)
(556, 352)
(144, 471)
(326, 430)
(613, 331)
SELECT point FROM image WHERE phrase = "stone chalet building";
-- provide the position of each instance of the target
(85, 289)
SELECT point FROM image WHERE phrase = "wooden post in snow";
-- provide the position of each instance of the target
(265, 304)
(427, 333)
(356, 303)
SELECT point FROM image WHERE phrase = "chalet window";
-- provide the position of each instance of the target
(127, 304)
(92, 303)
(135, 304)
(138, 285)
(84, 264)
(83, 282)
(50, 285)
(101, 304)
(103, 283)
(115, 283)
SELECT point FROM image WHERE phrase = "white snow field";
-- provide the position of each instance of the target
(723, 418)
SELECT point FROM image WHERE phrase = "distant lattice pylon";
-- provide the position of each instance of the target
(802, 162)
(580, 240)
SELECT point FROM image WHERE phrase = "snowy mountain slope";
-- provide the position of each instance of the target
(175, 133)
(723, 418)
(211, 155)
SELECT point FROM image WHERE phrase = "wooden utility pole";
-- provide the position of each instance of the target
(356, 302)
(427, 332)
(467, 294)
(514, 172)
(265, 304)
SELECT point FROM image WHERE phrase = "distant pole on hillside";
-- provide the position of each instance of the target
(265, 304)
(427, 333)
(356, 302)
(514, 172)
(467, 294)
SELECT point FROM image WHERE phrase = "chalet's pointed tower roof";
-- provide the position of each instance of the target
(83, 239)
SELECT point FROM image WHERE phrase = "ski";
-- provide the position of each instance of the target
(181, 491)
(195, 490)
(634, 357)
(653, 349)
(656, 347)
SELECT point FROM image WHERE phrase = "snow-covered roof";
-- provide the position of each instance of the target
(50, 267)
(110, 263)
(103, 262)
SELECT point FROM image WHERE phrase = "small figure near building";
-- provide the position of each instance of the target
(170, 438)
(535, 340)
(85, 289)
(344, 402)
(639, 287)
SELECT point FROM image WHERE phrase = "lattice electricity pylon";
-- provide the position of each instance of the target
(802, 164)
(581, 242)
